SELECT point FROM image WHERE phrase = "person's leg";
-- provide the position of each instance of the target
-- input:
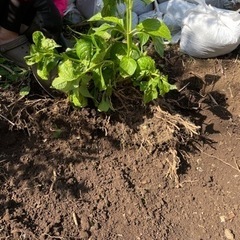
(7, 36)
(46, 19)
(43, 16)
(10, 20)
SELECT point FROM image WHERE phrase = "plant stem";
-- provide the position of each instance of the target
(129, 5)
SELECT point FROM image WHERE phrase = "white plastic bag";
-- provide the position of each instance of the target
(151, 14)
(89, 7)
(161, 1)
(225, 4)
(174, 12)
(139, 7)
(210, 32)
(121, 11)
(176, 9)
(135, 20)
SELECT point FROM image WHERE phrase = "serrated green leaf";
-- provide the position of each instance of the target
(84, 85)
(59, 83)
(104, 105)
(84, 49)
(99, 80)
(117, 22)
(102, 31)
(143, 38)
(158, 45)
(84, 91)
(97, 57)
(69, 71)
(118, 49)
(43, 51)
(155, 28)
(114, 20)
(45, 66)
(127, 66)
(24, 91)
(34, 56)
(96, 17)
(103, 27)
(77, 99)
(135, 53)
(110, 19)
(150, 95)
(150, 89)
(43, 43)
(164, 86)
(103, 34)
(146, 63)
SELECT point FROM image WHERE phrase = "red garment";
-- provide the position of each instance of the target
(61, 5)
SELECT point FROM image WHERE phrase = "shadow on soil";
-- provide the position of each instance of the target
(53, 140)
(45, 159)
(197, 95)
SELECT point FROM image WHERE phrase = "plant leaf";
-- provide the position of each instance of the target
(60, 84)
(84, 49)
(118, 49)
(77, 99)
(24, 91)
(43, 43)
(146, 63)
(69, 71)
(143, 37)
(103, 28)
(105, 104)
(155, 28)
(83, 88)
(127, 66)
(164, 86)
(99, 80)
(158, 45)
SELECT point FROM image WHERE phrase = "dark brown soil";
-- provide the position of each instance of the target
(140, 172)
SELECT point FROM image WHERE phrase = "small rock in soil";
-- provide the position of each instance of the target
(229, 234)
(83, 235)
(95, 227)
(85, 223)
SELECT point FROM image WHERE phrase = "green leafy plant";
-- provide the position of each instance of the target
(10, 74)
(111, 52)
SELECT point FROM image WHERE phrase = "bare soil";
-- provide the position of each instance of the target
(167, 171)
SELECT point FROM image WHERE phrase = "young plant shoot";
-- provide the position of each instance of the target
(110, 53)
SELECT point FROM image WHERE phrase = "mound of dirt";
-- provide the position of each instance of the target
(168, 170)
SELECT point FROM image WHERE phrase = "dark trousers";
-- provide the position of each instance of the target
(37, 14)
